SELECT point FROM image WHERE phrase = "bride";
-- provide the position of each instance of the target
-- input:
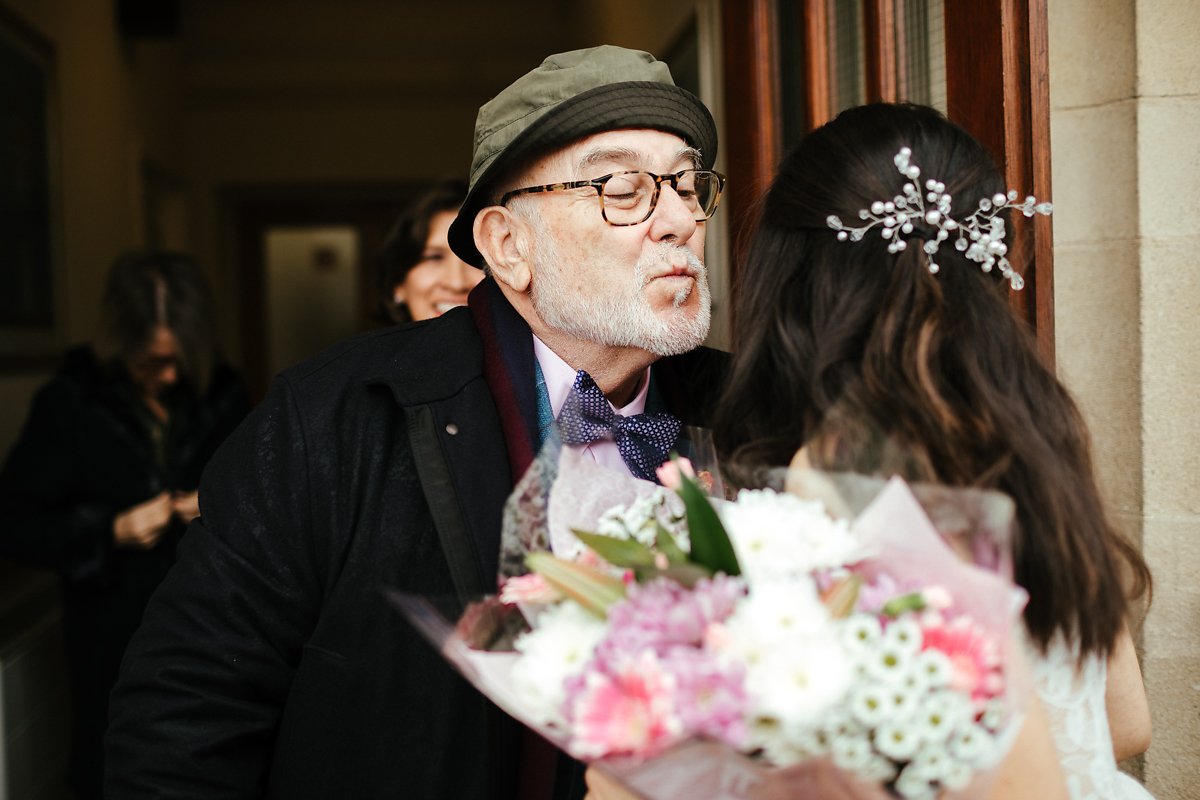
(867, 337)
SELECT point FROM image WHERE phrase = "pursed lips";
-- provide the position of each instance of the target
(677, 272)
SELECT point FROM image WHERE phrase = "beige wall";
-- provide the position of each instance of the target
(1125, 96)
(107, 116)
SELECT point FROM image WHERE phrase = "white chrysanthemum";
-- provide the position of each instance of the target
(912, 785)
(936, 667)
(779, 610)
(889, 663)
(783, 746)
(932, 763)
(956, 776)
(993, 715)
(878, 770)
(940, 715)
(841, 722)
(904, 634)
(780, 534)
(853, 752)
(559, 647)
(870, 704)
(897, 740)
(973, 745)
(915, 681)
(862, 632)
(799, 681)
(902, 700)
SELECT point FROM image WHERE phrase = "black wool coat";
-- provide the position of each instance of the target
(84, 455)
(270, 664)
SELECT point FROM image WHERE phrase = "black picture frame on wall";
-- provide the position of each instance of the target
(31, 332)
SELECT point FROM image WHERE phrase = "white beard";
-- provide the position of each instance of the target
(626, 318)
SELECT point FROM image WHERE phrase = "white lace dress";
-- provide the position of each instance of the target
(1074, 701)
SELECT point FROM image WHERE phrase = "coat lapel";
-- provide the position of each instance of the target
(457, 445)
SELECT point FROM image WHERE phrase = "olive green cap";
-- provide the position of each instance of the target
(570, 96)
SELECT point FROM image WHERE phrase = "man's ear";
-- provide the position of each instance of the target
(502, 239)
(399, 294)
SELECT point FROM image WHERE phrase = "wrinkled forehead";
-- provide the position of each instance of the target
(610, 151)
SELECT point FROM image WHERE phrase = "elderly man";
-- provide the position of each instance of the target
(270, 664)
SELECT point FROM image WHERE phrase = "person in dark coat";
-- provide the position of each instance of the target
(102, 479)
(270, 663)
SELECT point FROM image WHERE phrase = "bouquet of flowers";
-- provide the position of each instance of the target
(756, 632)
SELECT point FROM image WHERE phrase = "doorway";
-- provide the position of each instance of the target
(306, 266)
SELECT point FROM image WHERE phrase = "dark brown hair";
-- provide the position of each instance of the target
(146, 289)
(405, 243)
(879, 366)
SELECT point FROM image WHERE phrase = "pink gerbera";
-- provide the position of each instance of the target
(629, 709)
(974, 657)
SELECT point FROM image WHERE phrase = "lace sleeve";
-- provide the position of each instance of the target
(1073, 695)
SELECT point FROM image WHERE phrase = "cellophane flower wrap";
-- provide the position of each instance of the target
(688, 645)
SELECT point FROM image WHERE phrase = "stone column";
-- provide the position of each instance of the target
(1125, 129)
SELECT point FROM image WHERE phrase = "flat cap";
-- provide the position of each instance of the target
(570, 96)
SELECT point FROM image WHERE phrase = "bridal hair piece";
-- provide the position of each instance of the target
(980, 236)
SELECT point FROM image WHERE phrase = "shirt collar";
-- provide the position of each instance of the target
(560, 377)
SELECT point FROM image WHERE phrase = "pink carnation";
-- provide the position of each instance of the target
(710, 695)
(628, 710)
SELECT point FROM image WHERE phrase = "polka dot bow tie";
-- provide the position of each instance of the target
(644, 440)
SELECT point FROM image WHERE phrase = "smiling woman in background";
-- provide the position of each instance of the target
(421, 276)
(102, 481)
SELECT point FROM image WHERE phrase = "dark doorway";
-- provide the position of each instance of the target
(256, 216)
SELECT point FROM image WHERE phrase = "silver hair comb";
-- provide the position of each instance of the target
(980, 236)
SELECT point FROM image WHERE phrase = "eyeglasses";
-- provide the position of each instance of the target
(630, 197)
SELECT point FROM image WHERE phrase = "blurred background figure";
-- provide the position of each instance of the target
(420, 277)
(101, 482)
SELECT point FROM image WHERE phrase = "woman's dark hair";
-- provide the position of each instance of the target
(880, 366)
(405, 242)
(152, 288)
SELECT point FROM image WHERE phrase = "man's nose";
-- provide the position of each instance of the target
(169, 375)
(672, 216)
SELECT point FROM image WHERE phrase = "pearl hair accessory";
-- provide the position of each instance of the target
(980, 236)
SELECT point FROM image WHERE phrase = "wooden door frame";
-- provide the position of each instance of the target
(752, 142)
(998, 88)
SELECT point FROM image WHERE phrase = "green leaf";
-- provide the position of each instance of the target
(686, 575)
(913, 601)
(711, 547)
(593, 589)
(618, 552)
(667, 545)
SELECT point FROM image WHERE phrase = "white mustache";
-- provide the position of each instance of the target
(651, 267)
